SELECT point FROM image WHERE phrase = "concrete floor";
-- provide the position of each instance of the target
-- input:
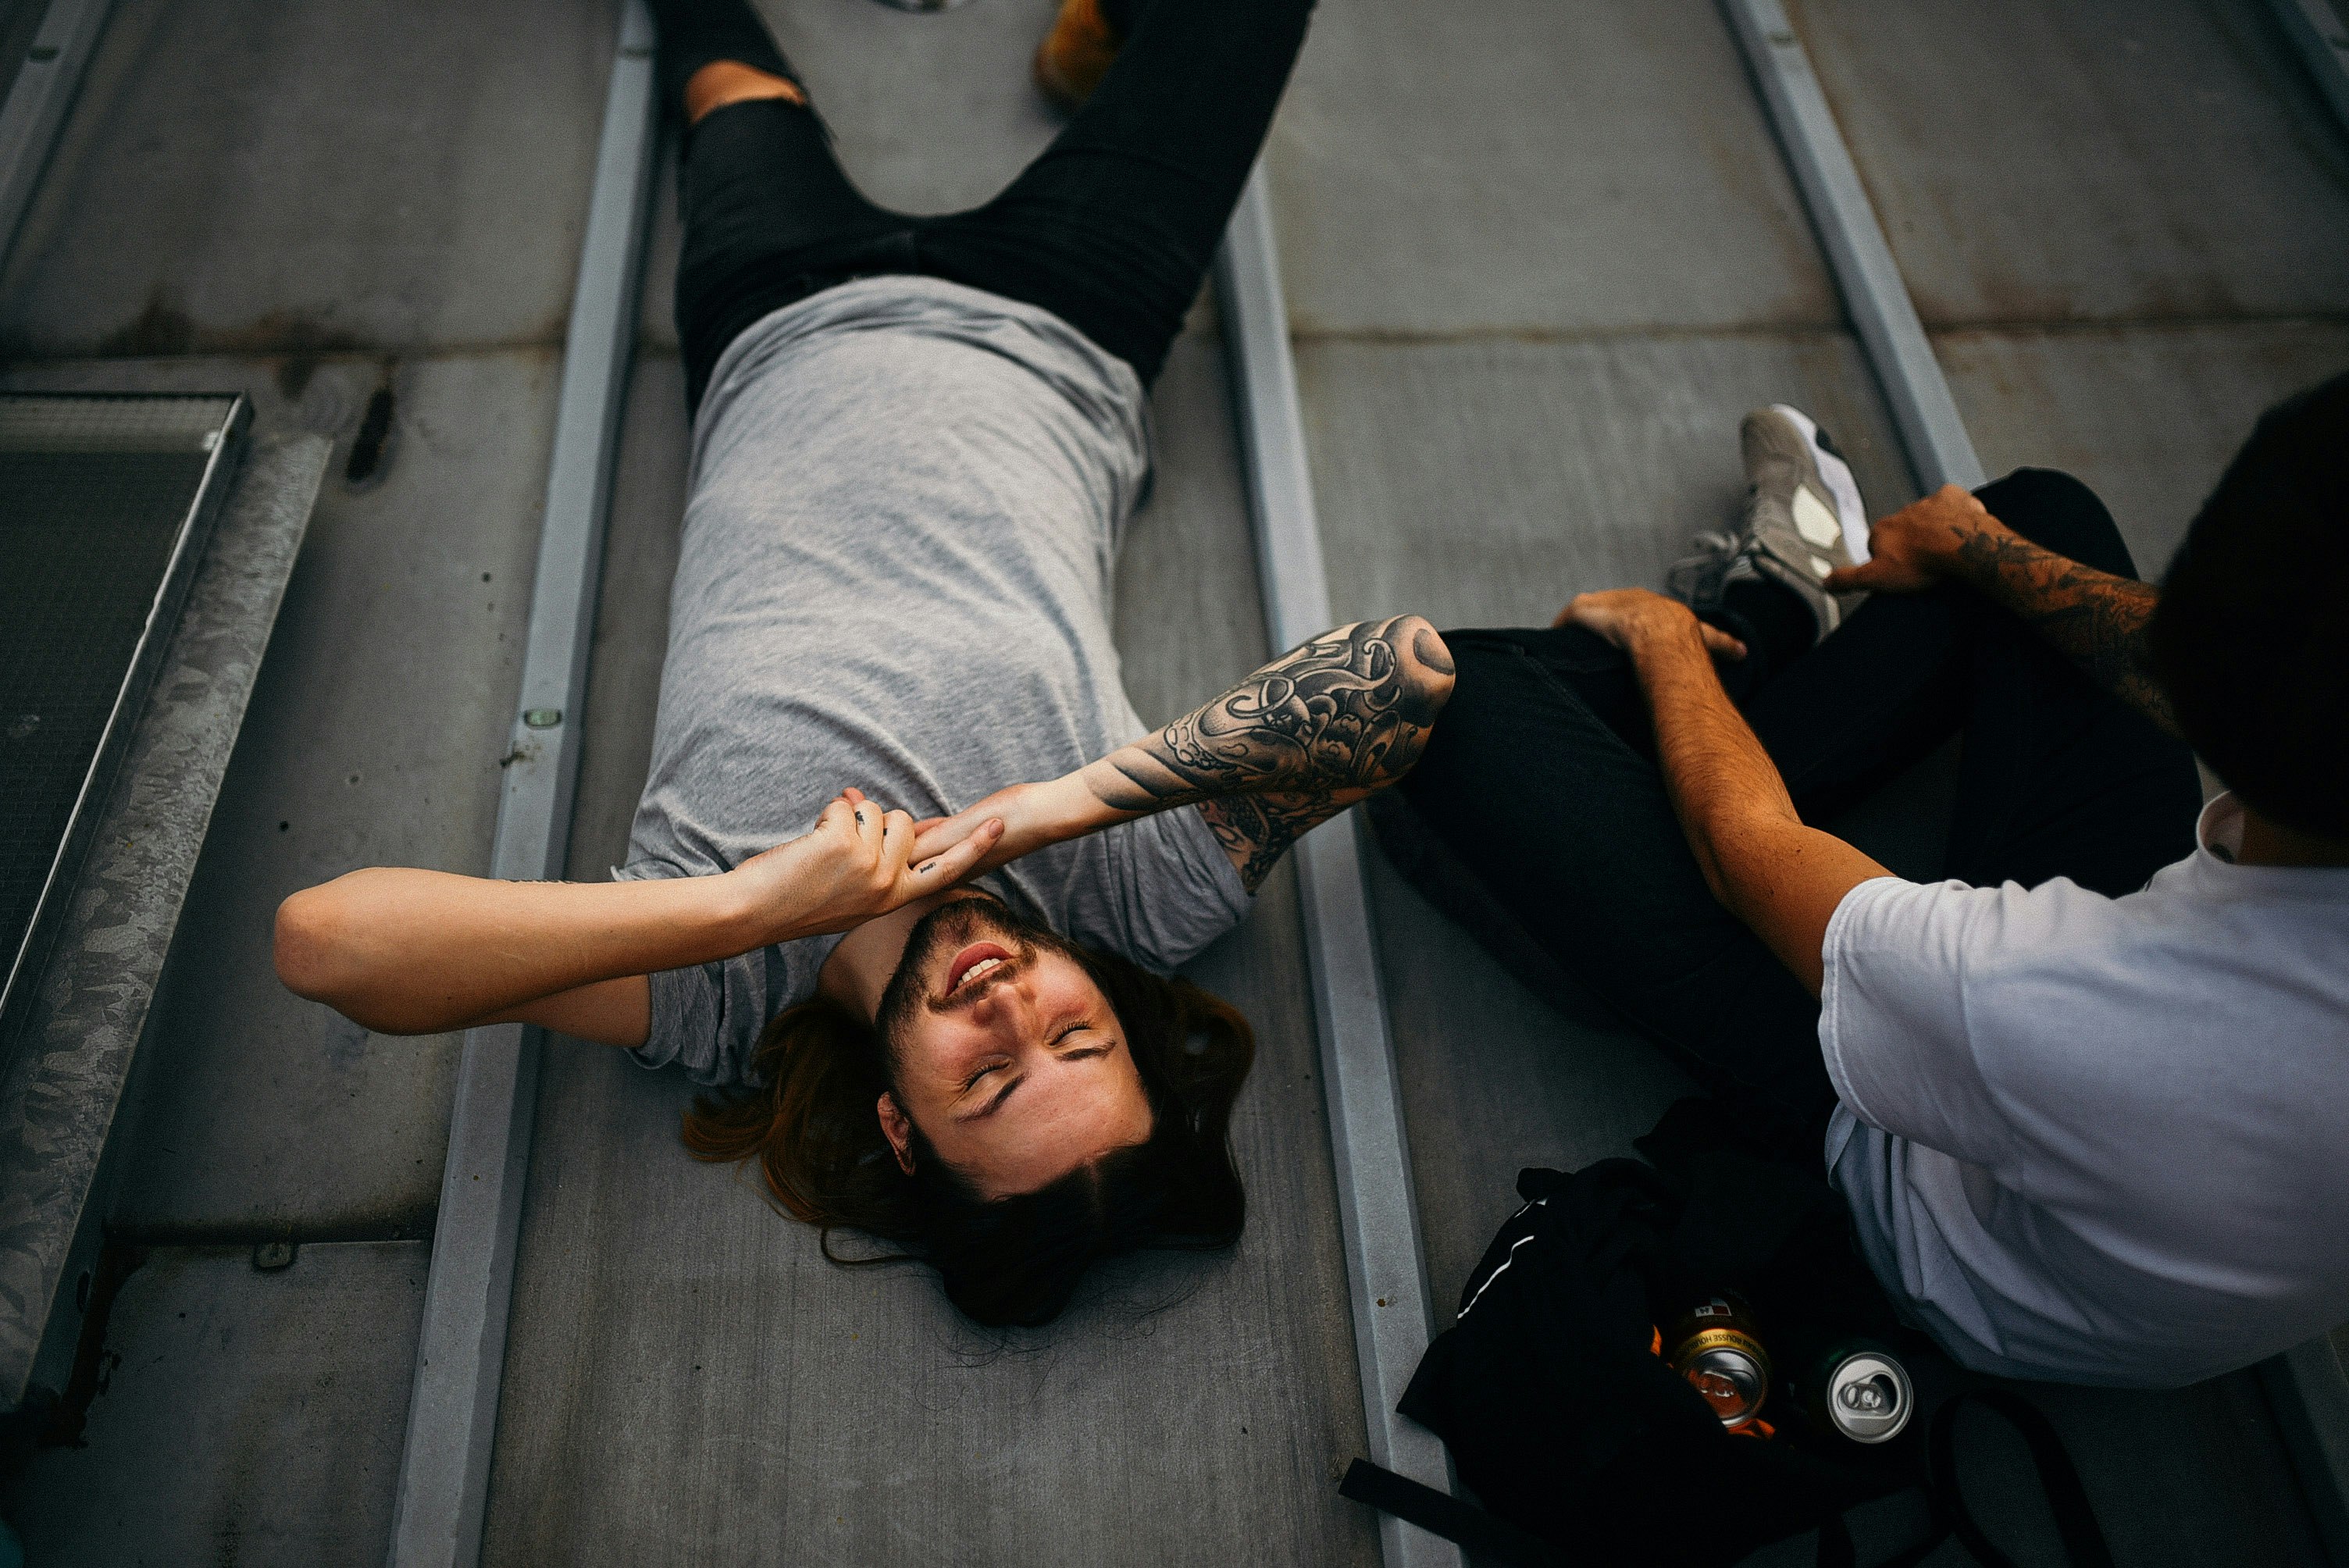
(1538, 261)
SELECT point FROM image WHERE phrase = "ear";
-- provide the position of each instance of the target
(898, 1130)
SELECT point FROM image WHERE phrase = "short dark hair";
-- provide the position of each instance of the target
(1004, 1261)
(2251, 637)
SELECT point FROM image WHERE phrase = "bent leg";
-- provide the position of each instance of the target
(769, 215)
(1567, 828)
(1114, 226)
(2060, 777)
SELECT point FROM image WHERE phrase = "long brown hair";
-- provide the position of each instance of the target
(810, 1123)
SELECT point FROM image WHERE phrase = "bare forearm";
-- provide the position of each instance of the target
(2095, 619)
(1715, 771)
(1782, 878)
(413, 951)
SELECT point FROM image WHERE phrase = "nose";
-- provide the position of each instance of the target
(1005, 1008)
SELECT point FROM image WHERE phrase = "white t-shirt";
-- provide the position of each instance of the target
(2097, 1139)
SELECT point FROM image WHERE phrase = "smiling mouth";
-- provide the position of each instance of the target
(968, 972)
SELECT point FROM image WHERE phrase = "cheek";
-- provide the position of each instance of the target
(1120, 1107)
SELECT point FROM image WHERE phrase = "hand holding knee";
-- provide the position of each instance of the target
(1918, 545)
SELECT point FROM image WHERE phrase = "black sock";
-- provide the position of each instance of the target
(1772, 621)
(693, 33)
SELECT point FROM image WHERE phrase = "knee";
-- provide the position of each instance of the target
(2058, 512)
(721, 83)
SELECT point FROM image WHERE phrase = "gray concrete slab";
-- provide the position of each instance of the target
(624, 666)
(243, 1417)
(2148, 159)
(373, 738)
(932, 111)
(657, 317)
(239, 176)
(1516, 166)
(2147, 416)
(1484, 482)
(1198, 1410)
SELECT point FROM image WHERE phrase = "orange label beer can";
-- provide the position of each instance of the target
(1716, 1349)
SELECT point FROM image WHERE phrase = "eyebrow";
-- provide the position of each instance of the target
(996, 1104)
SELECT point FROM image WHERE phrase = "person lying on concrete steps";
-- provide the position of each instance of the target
(2087, 1098)
(915, 446)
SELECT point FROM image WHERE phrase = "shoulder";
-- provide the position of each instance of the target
(1156, 890)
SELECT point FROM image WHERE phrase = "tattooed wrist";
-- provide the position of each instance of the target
(2096, 619)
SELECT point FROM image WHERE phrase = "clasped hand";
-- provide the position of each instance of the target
(1632, 618)
(1917, 546)
(857, 864)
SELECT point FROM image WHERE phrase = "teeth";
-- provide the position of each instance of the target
(977, 969)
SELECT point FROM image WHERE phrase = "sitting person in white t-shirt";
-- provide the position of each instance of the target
(2087, 1099)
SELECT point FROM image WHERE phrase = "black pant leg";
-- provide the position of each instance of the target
(769, 218)
(2060, 777)
(1114, 226)
(1564, 822)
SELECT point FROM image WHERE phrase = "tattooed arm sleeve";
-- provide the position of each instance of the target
(1302, 738)
(2097, 620)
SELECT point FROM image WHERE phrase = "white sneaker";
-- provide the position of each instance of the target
(1803, 518)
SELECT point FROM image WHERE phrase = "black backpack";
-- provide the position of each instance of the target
(1586, 1448)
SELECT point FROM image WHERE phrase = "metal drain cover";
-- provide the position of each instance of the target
(105, 506)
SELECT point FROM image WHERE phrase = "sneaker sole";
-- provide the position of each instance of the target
(1837, 475)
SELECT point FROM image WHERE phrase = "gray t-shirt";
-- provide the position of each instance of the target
(906, 502)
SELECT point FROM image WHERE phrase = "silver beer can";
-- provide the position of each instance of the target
(1861, 1391)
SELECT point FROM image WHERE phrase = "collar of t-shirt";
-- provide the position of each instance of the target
(2216, 860)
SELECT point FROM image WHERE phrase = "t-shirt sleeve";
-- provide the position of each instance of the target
(1893, 1018)
(706, 1018)
(1167, 890)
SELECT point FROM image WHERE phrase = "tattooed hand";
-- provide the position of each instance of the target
(1917, 546)
(2095, 619)
(1296, 742)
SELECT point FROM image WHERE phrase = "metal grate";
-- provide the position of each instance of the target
(103, 506)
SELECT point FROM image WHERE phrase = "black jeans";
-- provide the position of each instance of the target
(1112, 228)
(1540, 783)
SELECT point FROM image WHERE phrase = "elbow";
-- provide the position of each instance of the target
(311, 946)
(1726, 891)
(1427, 668)
(1424, 675)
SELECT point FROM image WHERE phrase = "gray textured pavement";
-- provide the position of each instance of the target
(1539, 259)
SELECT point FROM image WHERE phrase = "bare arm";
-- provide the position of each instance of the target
(1783, 879)
(2097, 620)
(1296, 742)
(412, 952)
